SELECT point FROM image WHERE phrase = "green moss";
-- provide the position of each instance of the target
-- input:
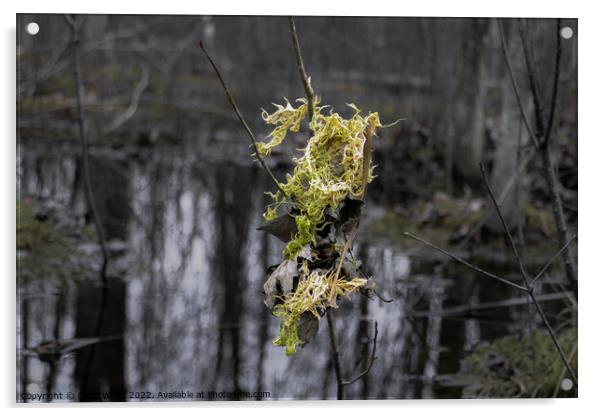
(329, 170)
(44, 251)
(538, 218)
(525, 367)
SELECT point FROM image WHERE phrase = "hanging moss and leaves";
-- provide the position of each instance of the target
(316, 212)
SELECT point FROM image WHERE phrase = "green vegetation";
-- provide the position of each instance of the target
(525, 367)
(45, 250)
(331, 173)
(330, 169)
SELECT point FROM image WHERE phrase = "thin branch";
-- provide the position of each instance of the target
(546, 153)
(549, 263)
(521, 266)
(335, 355)
(526, 279)
(241, 118)
(134, 102)
(467, 309)
(539, 117)
(515, 85)
(528, 290)
(507, 188)
(309, 92)
(548, 134)
(75, 25)
(467, 264)
(552, 334)
(370, 363)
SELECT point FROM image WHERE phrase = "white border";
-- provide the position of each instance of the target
(589, 215)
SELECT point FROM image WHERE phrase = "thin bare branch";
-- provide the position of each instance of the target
(467, 264)
(335, 354)
(546, 139)
(523, 113)
(241, 119)
(134, 102)
(549, 263)
(75, 25)
(467, 309)
(545, 151)
(552, 334)
(309, 92)
(530, 61)
(526, 278)
(370, 363)
(523, 272)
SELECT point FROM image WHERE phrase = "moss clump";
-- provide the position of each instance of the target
(329, 170)
(314, 293)
(331, 173)
(43, 250)
(526, 367)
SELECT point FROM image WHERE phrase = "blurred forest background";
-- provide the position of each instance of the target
(180, 199)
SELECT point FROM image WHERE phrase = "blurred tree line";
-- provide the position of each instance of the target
(145, 82)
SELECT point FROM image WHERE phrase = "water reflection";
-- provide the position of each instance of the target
(187, 269)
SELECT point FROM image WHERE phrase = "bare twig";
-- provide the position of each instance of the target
(552, 334)
(241, 119)
(532, 76)
(75, 25)
(134, 102)
(465, 309)
(335, 355)
(467, 264)
(370, 363)
(546, 153)
(523, 113)
(528, 288)
(554, 257)
(526, 278)
(523, 272)
(309, 92)
(548, 133)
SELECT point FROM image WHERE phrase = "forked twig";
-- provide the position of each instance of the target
(543, 134)
(370, 363)
(467, 264)
(554, 257)
(241, 118)
(528, 288)
(523, 272)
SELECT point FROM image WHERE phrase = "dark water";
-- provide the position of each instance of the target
(185, 294)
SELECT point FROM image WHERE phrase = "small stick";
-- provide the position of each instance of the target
(335, 355)
(515, 85)
(241, 118)
(549, 263)
(523, 272)
(75, 25)
(371, 362)
(309, 92)
(467, 264)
